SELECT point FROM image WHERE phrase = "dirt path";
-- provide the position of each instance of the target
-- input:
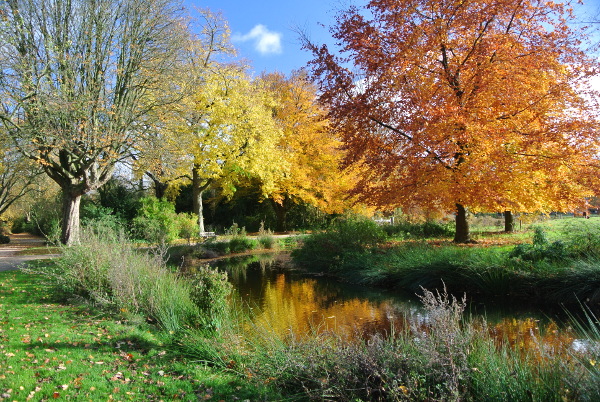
(9, 258)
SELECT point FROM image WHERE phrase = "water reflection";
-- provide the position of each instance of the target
(289, 302)
(285, 301)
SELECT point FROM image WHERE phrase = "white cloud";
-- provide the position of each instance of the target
(265, 41)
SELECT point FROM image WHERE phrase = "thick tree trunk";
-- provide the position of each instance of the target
(462, 234)
(70, 218)
(509, 222)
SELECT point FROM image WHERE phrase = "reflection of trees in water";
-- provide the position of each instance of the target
(286, 303)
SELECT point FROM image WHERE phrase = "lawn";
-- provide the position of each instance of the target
(50, 350)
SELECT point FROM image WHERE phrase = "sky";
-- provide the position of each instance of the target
(263, 31)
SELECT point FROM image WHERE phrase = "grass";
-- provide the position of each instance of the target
(51, 350)
(554, 265)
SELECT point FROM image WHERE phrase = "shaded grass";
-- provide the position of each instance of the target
(53, 350)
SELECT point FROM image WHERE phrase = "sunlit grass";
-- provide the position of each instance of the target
(50, 350)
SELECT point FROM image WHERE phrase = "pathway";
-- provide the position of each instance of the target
(9, 258)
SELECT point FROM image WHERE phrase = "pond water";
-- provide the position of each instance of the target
(288, 301)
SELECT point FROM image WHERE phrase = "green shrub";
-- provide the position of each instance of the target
(187, 225)
(21, 225)
(219, 247)
(94, 215)
(265, 237)
(346, 239)
(542, 249)
(120, 197)
(4, 239)
(239, 244)
(429, 228)
(46, 217)
(156, 221)
(210, 290)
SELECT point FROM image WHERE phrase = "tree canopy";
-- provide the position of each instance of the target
(74, 76)
(478, 103)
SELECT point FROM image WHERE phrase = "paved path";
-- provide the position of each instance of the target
(9, 260)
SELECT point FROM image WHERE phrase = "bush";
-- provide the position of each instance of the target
(156, 221)
(4, 239)
(541, 249)
(21, 224)
(429, 228)
(96, 216)
(239, 244)
(346, 239)
(265, 237)
(210, 290)
(187, 225)
(46, 217)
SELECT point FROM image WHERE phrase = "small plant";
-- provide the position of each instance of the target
(265, 237)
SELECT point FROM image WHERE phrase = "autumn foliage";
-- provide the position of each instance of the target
(451, 104)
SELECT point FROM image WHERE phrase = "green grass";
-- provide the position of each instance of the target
(54, 350)
(561, 267)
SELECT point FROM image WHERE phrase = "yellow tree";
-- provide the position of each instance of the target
(454, 104)
(313, 153)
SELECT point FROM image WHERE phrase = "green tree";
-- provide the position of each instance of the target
(77, 79)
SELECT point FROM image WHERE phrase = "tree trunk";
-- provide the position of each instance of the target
(462, 234)
(509, 222)
(70, 218)
(198, 188)
(160, 188)
(280, 214)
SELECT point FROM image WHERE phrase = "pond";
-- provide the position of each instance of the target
(287, 301)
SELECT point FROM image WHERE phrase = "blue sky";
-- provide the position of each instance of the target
(263, 30)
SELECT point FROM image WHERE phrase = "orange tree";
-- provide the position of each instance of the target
(454, 104)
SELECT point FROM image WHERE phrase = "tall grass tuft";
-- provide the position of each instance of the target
(107, 270)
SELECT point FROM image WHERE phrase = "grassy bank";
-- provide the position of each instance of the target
(51, 350)
(107, 319)
(554, 265)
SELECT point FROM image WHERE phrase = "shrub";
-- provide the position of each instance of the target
(346, 239)
(96, 216)
(4, 239)
(239, 244)
(46, 216)
(210, 290)
(426, 229)
(541, 249)
(265, 237)
(187, 225)
(156, 221)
